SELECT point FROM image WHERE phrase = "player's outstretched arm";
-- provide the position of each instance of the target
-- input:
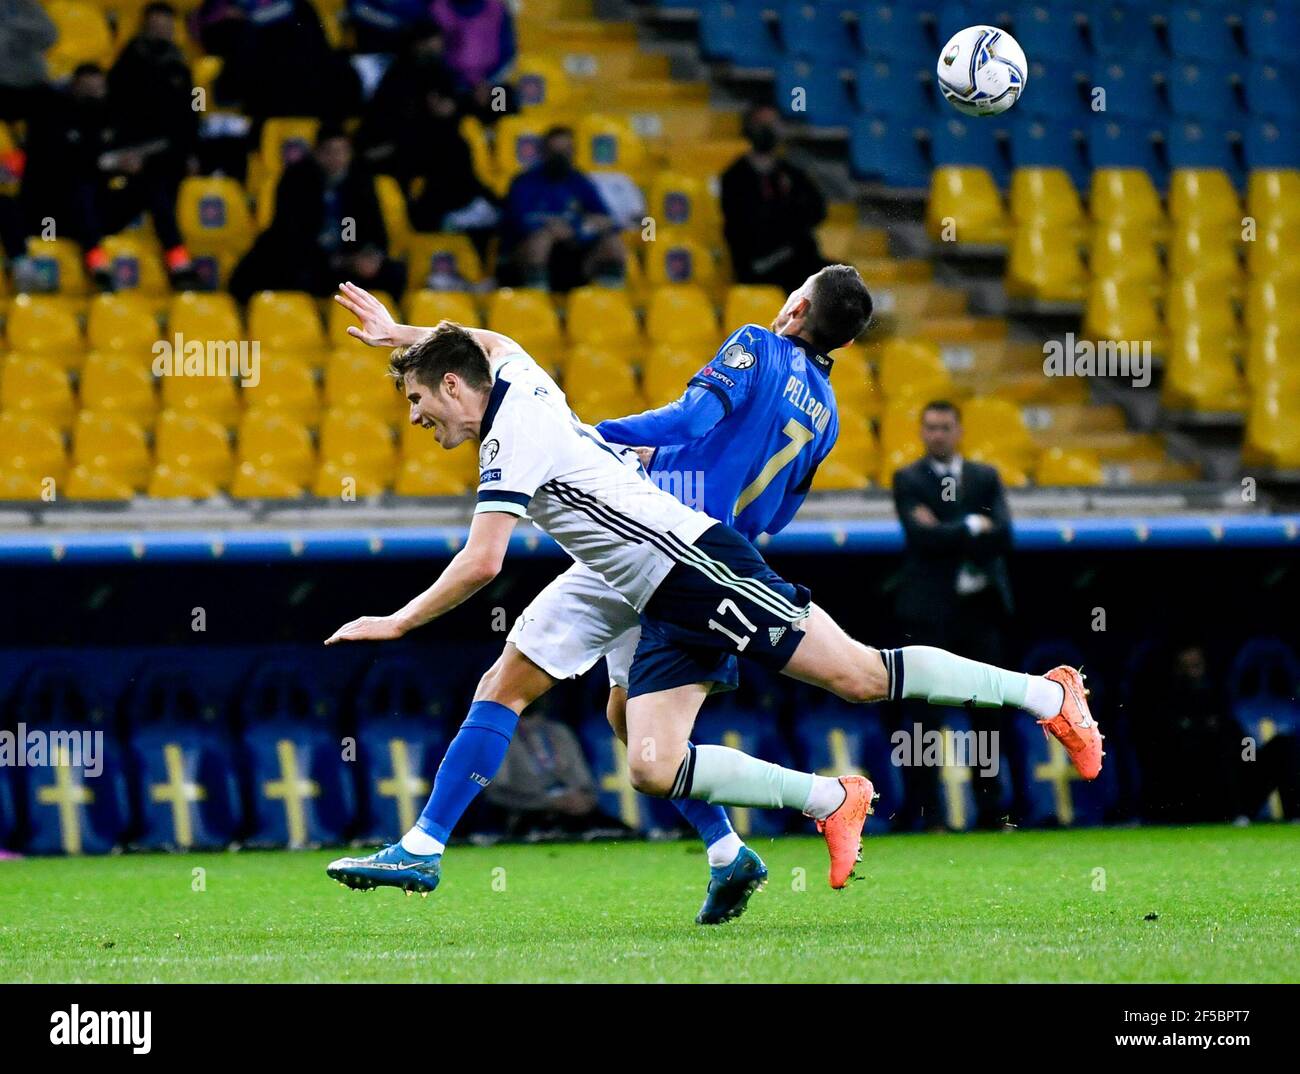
(469, 571)
(685, 419)
(377, 327)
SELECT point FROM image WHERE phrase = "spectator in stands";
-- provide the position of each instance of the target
(417, 68)
(1193, 764)
(480, 45)
(327, 227)
(544, 785)
(954, 591)
(87, 181)
(385, 25)
(421, 146)
(26, 32)
(770, 209)
(278, 61)
(557, 226)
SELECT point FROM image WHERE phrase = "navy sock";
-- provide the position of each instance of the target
(471, 761)
(706, 818)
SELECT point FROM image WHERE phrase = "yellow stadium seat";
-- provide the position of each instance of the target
(997, 427)
(257, 483)
(965, 207)
(392, 205)
(599, 379)
(1201, 376)
(1126, 197)
(1045, 265)
(169, 483)
(285, 385)
(84, 37)
(601, 316)
(338, 321)
(203, 315)
(358, 441)
(527, 316)
(443, 261)
(685, 203)
(749, 303)
(208, 396)
(428, 308)
(356, 381)
(32, 386)
(213, 215)
(850, 465)
(608, 143)
(285, 140)
(427, 470)
(195, 445)
(1203, 196)
(1274, 303)
(674, 258)
(57, 263)
(1273, 253)
(1195, 303)
(1117, 311)
(900, 437)
(135, 264)
(114, 384)
(1268, 358)
(33, 446)
(682, 313)
(518, 145)
(1062, 466)
(114, 445)
(122, 324)
(668, 368)
(85, 482)
(480, 152)
(1010, 471)
(1273, 430)
(1045, 197)
(273, 441)
(286, 322)
(1208, 252)
(541, 82)
(1273, 197)
(913, 367)
(1125, 254)
(44, 325)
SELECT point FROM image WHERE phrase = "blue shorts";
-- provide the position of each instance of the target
(724, 602)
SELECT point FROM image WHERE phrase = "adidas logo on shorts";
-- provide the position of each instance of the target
(775, 634)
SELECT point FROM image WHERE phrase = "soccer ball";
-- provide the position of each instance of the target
(982, 71)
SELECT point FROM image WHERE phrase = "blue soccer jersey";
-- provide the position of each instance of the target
(755, 466)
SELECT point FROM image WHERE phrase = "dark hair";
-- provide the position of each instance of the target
(943, 406)
(88, 68)
(560, 130)
(449, 348)
(159, 7)
(839, 307)
(328, 131)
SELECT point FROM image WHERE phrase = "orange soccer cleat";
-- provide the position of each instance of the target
(1074, 726)
(843, 828)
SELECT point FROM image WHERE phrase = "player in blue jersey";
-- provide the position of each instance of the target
(766, 389)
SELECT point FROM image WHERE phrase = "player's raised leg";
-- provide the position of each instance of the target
(415, 862)
(829, 658)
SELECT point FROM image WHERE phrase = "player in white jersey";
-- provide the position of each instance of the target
(467, 384)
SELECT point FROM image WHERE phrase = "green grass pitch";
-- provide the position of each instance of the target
(1023, 906)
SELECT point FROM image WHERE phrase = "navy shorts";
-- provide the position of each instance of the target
(724, 602)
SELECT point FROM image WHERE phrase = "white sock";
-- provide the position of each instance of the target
(1043, 697)
(826, 796)
(418, 841)
(724, 851)
(728, 777)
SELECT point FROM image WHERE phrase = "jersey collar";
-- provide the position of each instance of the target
(823, 360)
(495, 398)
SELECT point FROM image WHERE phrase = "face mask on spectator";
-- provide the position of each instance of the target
(763, 138)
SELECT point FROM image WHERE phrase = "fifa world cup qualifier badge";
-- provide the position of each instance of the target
(736, 357)
(488, 452)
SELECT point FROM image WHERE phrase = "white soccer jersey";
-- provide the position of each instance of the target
(537, 460)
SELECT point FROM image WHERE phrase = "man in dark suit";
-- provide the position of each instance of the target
(954, 592)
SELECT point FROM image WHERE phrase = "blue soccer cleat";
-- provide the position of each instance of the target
(391, 867)
(730, 887)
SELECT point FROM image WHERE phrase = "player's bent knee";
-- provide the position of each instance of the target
(861, 680)
(654, 778)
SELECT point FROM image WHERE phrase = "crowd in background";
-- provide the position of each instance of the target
(104, 147)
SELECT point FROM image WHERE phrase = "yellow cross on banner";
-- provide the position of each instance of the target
(1059, 771)
(619, 781)
(955, 777)
(67, 793)
(294, 789)
(179, 793)
(1267, 729)
(405, 787)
